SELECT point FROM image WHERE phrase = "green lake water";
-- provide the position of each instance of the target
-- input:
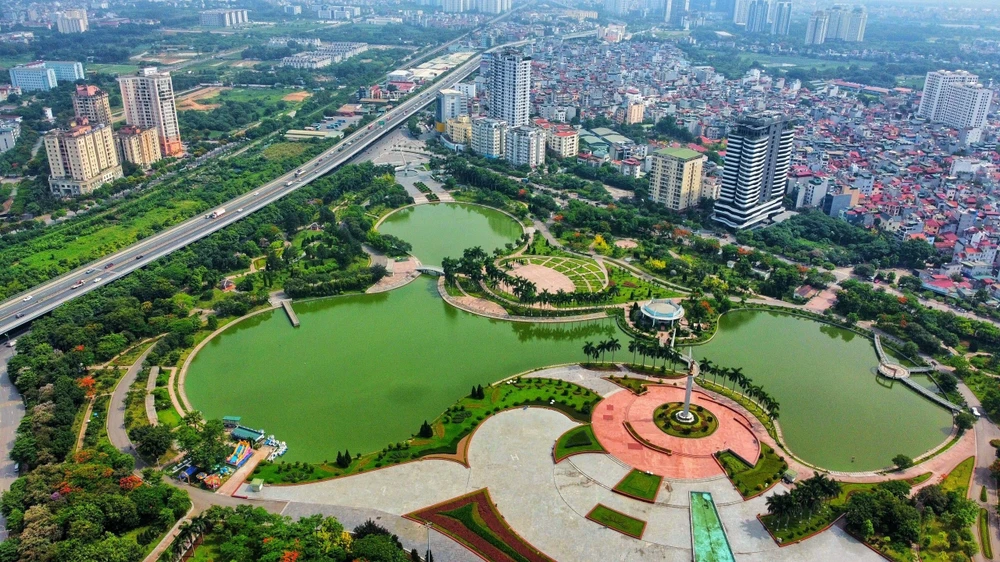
(833, 408)
(445, 230)
(364, 371)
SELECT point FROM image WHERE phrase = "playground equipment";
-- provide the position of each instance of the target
(240, 455)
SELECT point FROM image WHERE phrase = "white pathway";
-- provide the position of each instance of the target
(545, 503)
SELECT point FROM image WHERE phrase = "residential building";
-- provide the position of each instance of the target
(81, 159)
(67, 71)
(10, 131)
(293, 10)
(741, 12)
(957, 100)
(782, 18)
(842, 23)
(224, 18)
(634, 113)
(92, 102)
(564, 144)
(488, 137)
(816, 28)
(138, 146)
(755, 172)
(33, 77)
(856, 24)
(6, 90)
(675, 177)
(757, 16)
(525, 146)
(148, 98)
(459, 129)
(450, 104)
(510, 87)
(72, 21)
(307, 61)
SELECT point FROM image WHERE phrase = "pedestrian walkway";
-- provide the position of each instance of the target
(150, 399)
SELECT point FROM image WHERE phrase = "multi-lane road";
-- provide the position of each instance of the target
(29, 305)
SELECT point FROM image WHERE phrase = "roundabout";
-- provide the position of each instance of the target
(628, 426)
(668, 418)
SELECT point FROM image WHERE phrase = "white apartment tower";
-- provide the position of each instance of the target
(525, 146)
(488, 137)
(782, 18)
(148, 98)
(510, 87)
(758, 157)
(72, 21)
(958, 100)
(741, 12)
(816, 28)
(450, 104)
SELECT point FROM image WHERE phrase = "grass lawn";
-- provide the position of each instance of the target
(283, 150)
(130, 356)
(959, 477)
(985, 542)
(632, 289)
(449, 428)
(112, 68)
(637, 386)
(640, 485)
(580, 439)
(704, 423)
(753, 480)
(624, 524)
(168, 417)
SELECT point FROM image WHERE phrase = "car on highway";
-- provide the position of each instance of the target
(256, 193)
(19, 315)
(78, 284)
(98, 280)
(110, 265)
(240, 210)
(89, 271)
(26, 299)
(140, 256)
(12, 343)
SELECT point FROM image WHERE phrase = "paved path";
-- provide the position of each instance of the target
(11, 412)
(510, 455)
(172, 392)
(83, 426)
(116, 411)
(983, 431)
(150, 399)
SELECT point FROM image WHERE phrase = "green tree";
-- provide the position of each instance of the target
(426, 431)
(902, 462)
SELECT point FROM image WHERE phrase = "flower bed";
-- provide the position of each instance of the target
(703, 423)
(578, 440)
(624, 524)
(474, 522)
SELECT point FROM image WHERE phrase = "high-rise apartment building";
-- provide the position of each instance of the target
(564, 144)
(148, 98)
(450, 104)
(668, 8)
(675, 177)
(758, 156)
(757, 16)
(857, 22)
(958, 100)
(782, 18)
(81, 159)
(224, 18)
(510, 87)
(741, 11)
(138, 146)
(616, 7)
(488, 137)
(525, 146)
(72, 21)
(92, 102)
(816, 28)
(459, 129)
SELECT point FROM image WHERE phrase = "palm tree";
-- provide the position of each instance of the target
(601, 348)
(736, 375)
(613, 346)
(588, 349)
(633, 346)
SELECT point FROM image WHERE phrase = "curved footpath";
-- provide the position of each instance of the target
(11, 413)
(511, 452)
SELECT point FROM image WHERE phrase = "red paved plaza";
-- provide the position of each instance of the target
(689, 458)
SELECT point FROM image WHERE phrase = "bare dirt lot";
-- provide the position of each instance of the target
(193, 101)
(296, 96)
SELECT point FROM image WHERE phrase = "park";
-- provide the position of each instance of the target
(675, 453)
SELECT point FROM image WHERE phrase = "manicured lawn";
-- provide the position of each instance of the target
(632, 289)
(637, 386)
(473, 521)
(580, 439)
(454, 424)
(704, 423)
(112, 68)
(752, 480)
(624, 524)
(986, 543)
(958, 479)
(640, 485)
(168, 417)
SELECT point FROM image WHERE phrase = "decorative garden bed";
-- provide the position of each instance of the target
(704, 423)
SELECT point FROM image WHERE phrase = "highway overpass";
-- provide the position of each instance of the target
(29, 305)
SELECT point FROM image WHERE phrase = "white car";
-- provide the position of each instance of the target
(240, 210)
(27, 298)
(256, 193)
(98, 280)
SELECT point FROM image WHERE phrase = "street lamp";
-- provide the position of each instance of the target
(427, 553)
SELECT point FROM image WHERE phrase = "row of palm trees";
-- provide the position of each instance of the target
(807, 497)
(747, 389)
(655, 350)
(590, 349)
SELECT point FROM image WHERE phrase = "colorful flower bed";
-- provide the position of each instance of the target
(474, 522)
